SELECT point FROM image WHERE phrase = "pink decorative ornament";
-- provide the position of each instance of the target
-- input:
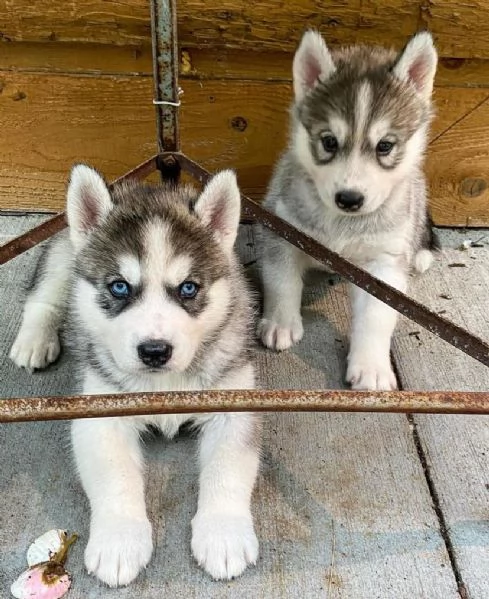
(44, 581)
(47, 579)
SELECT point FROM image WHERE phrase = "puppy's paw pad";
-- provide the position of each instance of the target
(363, 375)
(118, 549)
(35, 348)
(280, 336)
(224, 545)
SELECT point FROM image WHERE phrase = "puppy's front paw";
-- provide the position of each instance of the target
(35, 348)
(370, 374)
(118, 549)
(280, 334)
(224, 544)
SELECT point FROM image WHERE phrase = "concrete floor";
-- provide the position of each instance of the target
(351, 506)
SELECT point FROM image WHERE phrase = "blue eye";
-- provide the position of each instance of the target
(120, 289)
(188, 290)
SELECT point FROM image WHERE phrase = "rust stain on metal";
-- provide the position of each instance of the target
(186, 402)
(50, 227)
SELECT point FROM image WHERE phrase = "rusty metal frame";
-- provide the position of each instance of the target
(256, 400)
(169, 161)
(83, 406)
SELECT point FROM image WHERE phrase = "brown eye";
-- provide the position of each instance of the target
(384, 147)
(330, 143)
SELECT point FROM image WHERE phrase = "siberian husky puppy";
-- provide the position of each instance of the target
(352, 178)
(155, 299)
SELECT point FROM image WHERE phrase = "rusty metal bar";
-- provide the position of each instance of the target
(28, 240)
(188, 402)
(53, 225)
(443, 328)
(165, 73)
(141, 171)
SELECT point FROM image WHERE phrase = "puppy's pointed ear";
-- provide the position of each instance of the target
(218, 207)
(312, 63)
(88, 202)
(417, 64)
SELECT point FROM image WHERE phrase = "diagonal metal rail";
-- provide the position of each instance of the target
(448, 331)
(443, 328)
(53, 225)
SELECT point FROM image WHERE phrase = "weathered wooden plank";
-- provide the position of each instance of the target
(267, 25)
(271, 25)
(223, 63)
(462, 73)
(458, 170)
(341, 507)
(50, 121)
(117, 22)
(206, 63)
(112, 121)
(458, 26)
(76, 58)
(451, 106)
(456, 447)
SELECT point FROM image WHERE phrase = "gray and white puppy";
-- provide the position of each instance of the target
(156, 302)
(352, 179)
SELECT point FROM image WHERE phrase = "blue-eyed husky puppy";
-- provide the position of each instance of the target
(156, 301)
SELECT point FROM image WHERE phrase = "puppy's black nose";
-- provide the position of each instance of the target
(349, 200)
(155, 352)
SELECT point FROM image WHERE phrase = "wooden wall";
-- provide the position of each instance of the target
(75, 85)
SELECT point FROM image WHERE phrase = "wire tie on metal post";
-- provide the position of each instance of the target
(166, 103)
(169, 102)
